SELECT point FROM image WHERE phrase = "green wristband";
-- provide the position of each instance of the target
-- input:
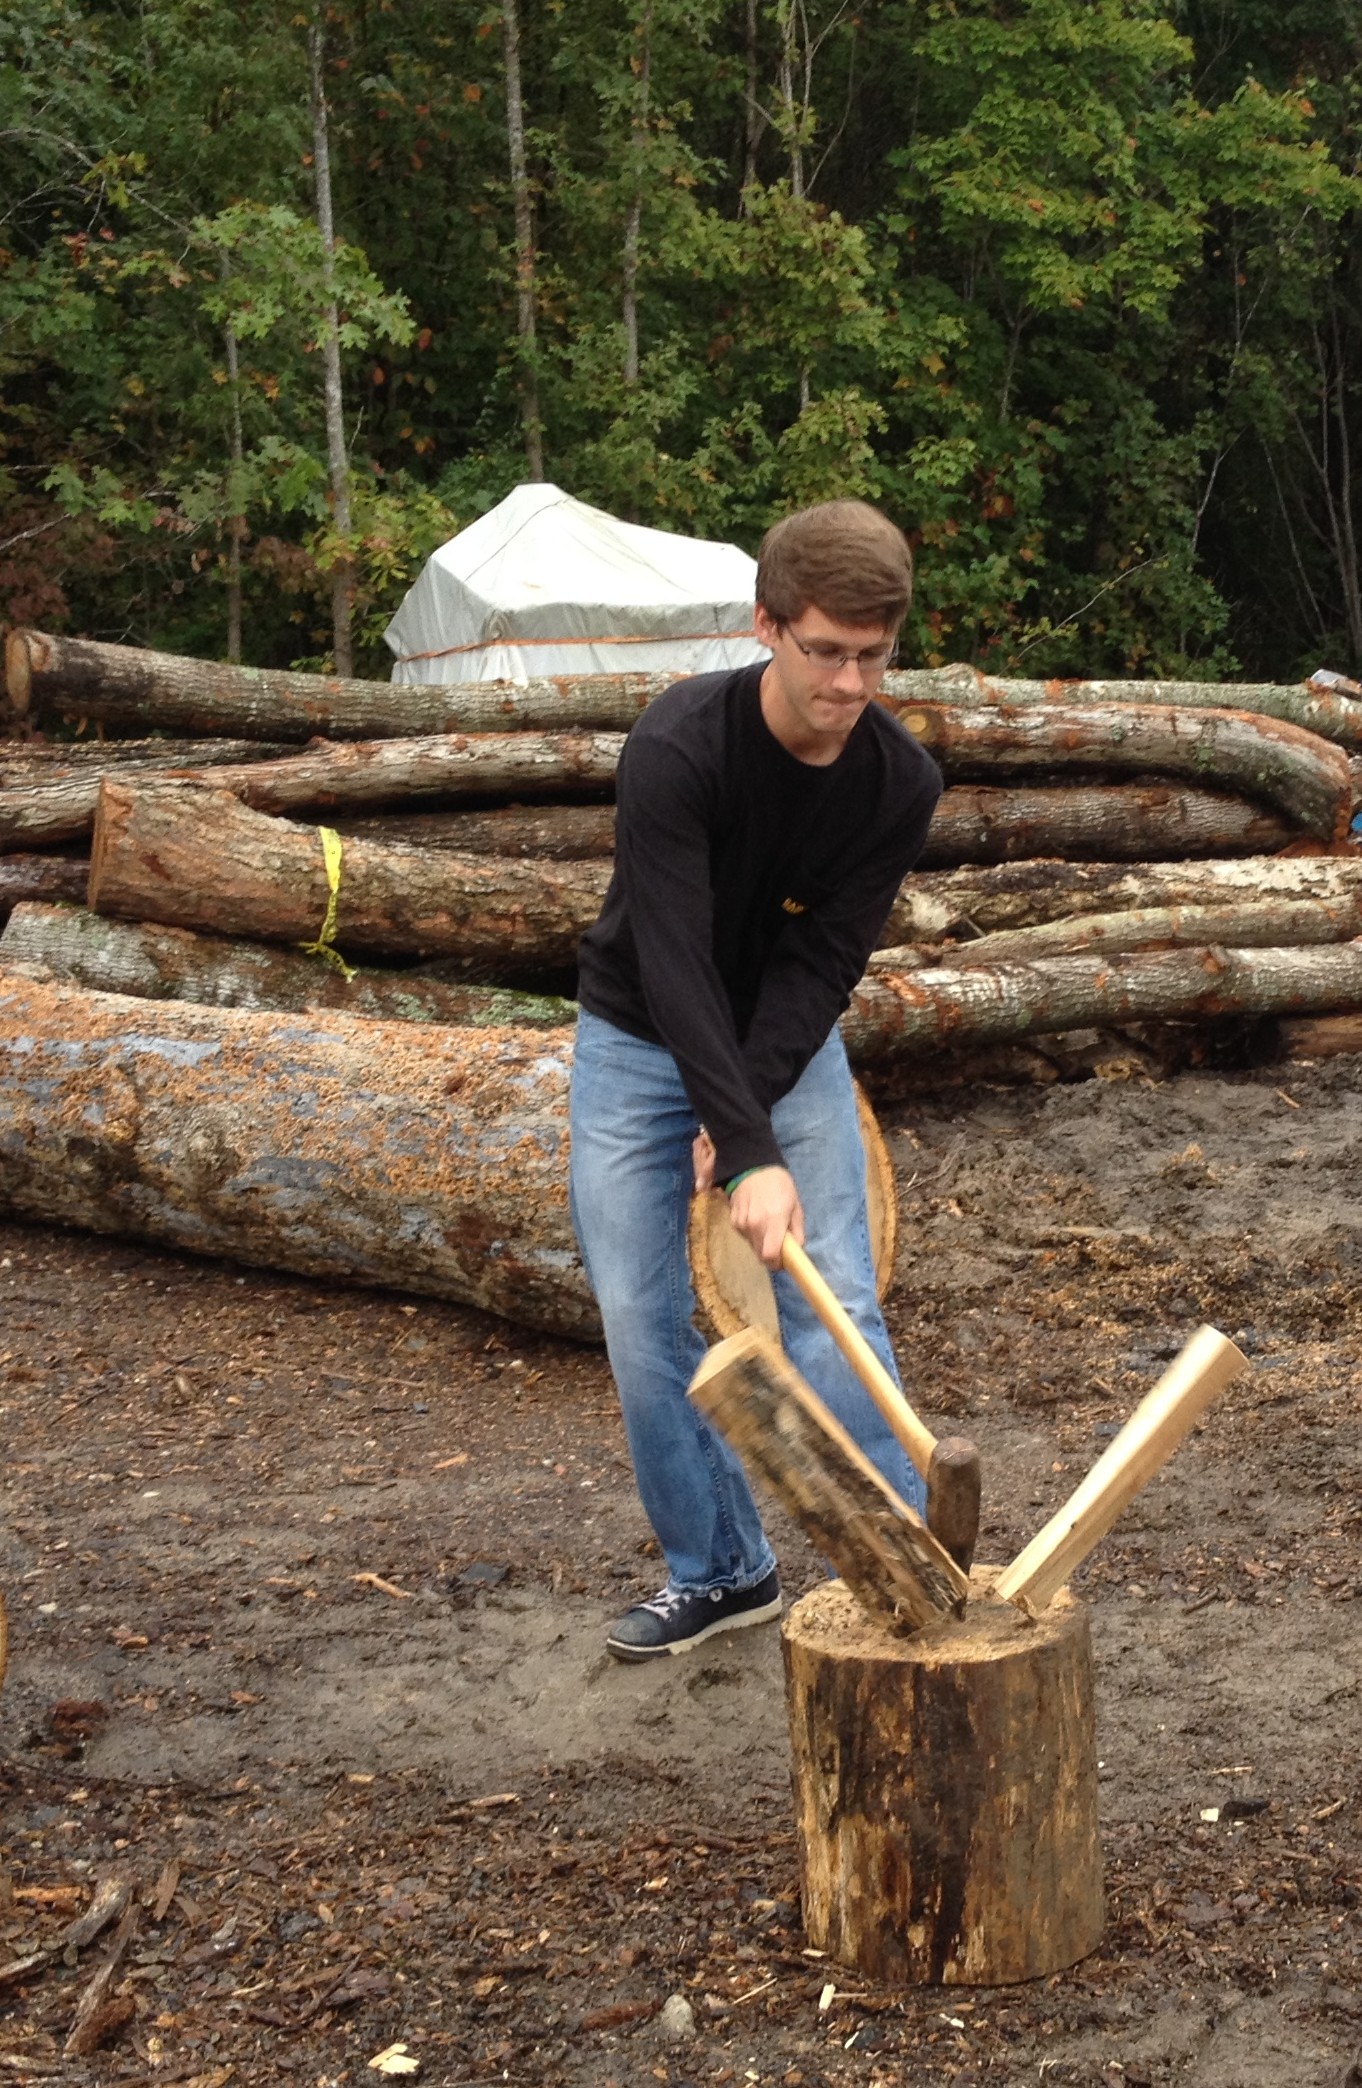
(729, 1187)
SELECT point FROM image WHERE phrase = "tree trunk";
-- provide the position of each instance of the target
(524, 243)
(86, 949)
(633, 225)
(1279, 924)
(1334, 716)
(945, 1790)
(40, 877)
(554, 833)
(337, 454)
(122, 685)
(431, 1160)
(188, 856)
(370, 772)
(958, 905)
(43, 804)
(1301, 775)
(901, 1014)
(1095, 822)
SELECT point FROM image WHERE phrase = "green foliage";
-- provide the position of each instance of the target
(1070, 286)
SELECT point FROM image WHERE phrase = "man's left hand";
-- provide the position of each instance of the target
(702, 1159)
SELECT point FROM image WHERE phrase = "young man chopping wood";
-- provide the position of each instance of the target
(766, 817)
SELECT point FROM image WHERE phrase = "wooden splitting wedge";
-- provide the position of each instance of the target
(950, 1466)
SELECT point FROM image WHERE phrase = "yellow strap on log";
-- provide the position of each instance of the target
(324, 947)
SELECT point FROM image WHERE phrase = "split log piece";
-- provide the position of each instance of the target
(553, 833)
(901, 1014)
(945, 1789)
(1300, 774)
(1335, 716)
(1207, 1364)
(42, 806)
(123, 685)
(941, 905)
(189, 856)
(46, 878)
(1096, 822)
(109, 956)
(756, 1398)
(1320, 1036)
(430, 1160)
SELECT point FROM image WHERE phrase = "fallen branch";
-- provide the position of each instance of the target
(98, 2015)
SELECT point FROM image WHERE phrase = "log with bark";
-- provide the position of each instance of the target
(1094, 822)
(555, 833)
(1334, 714)
(896, 1015)
(47, 801)
(41, 877)
(1298, 773)
(431, 1160)
(957, 905)
(185, 855)
(122, 685)
(1251, 925)
(86, 949)
(1103, 822)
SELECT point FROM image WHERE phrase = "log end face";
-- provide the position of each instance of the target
(23, 651)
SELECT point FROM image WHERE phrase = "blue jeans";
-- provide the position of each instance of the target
(632, 1129)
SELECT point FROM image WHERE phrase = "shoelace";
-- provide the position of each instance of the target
(668, 1599)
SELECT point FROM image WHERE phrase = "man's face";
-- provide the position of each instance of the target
(822, 675)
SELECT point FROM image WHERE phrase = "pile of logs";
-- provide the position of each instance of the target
(1108, 860)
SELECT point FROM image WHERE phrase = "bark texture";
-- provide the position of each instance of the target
(1276, 924)
(188, 856)
(554, 833)
(1299, 774)
(430, 1160)
(122, 685)
(899, 1014)
(1094, 822)
(85, 949)
(956, 905)
(48, 801)
(1333, 715)
(40, 877)
(945, 1790)
(368, 772)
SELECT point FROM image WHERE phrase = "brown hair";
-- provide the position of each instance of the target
(843, 557)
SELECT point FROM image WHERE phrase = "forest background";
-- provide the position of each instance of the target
(1072, 288)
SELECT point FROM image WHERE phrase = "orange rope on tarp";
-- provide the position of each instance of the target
(662, 638)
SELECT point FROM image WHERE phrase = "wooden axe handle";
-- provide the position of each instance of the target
(917, 1440)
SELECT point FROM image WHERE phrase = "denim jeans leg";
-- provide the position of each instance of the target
(820, 1138)
(632, 1130)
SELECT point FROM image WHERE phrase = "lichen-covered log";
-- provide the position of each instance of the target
(185, 855)
(1279, 924)
(957, 905)
(554, 833)
(87, 949)
(1300, 774)
(122, 685)
(945, 1789)
(40, 877)
(1096, 822)
(1334, 714)
(900, 1014)
(426, 1159)
(46, 802)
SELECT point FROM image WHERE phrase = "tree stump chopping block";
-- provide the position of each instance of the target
(945, 1788)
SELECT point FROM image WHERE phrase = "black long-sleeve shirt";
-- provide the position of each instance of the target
(749, 890)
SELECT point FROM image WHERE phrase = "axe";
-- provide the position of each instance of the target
(950, 1467)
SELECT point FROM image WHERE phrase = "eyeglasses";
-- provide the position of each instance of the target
(830, 659)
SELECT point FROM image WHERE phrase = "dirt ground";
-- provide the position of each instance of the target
(307, 1593)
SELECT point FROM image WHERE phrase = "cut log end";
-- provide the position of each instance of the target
(19, 665)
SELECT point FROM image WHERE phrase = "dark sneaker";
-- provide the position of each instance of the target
(675, 1620)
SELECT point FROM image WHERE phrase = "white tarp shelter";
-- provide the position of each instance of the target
(545, 584)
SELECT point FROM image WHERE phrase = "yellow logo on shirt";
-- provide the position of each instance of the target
(793, 906)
